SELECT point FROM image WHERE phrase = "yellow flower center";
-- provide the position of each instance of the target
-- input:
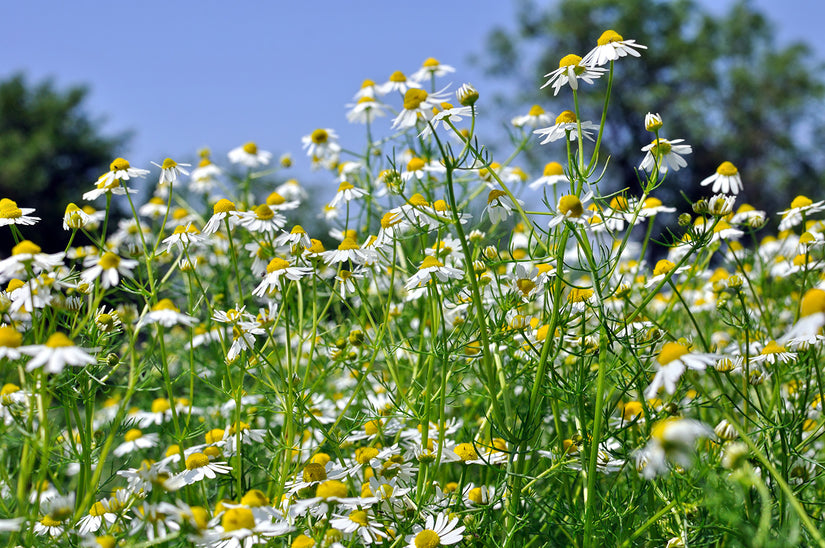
(263, 212)
(363, 455)
(196, 460)
(255, 498)
(303, 541)
(367, 83)
(97, 509)
(495, 195)
(663, 267)
(658, 430)
(59, 340)
(9, 388)
(345, 186)
(168, 163)
(773, 348)
(440, 205)
(213, 436)
(298, 229)
(553, 168)
(319, 136)
(466, 451)
(429, 62)
(359, 517)
(571, 206)
(415, 164)
(813, 302)
(390, 219)
(427, 539)
(578, 295)
(331, 488)
(223, 206)
(608, 37)
(10, 337)
(801, 201)
(535, 110)
(276, 264)
(165, 304)
(631, 410)
(652, 202)
(238, 518)
(119, 164)
(413, 98)
(566, 117)
(671, 351)
(314, 472)
(50, 522)
(109, 260)
(661, 147)
(727, 169)
(9, 209)
(348, 244)
(398, 77)
(430, 262)
(26, 247)
(418, 200)
(250, 148)
(160, 405)
(275, 199)
(133, 434)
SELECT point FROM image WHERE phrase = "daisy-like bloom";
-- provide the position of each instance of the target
(166, 314)
(204, 177)
(58, 352)
(348, 250)
(296, 236)
(10, 214)
(28, 254)
(671, 439)
(552, 175)
(431, 68)
(75, 218)
(321, 143)
(499, 206)
(662, 154)
(281, 203)
(397, 82)
(119, 170)
(261, 219)
(346, 192)
(774, 352)
(239, 529)
(534, 118)
(277, 270)
(566, 126)
(183, 237)
(223, 209)
(445, 112)
(367, 89)
(365, 110)
(134, 440)
(250, 156)
(437, 531)
(170, 171)
(571, 208)
(109, 268)
(107, 320)
(653, 206)
(417, 103)
(662, 269)
(10, 341)
(609, 47)
(725, 180)
(800, 206)
(671, 364)
(430, 267)
(198, 468)
(571, 70)
(362, 523)
(291, 189)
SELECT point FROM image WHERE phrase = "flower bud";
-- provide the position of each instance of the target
(653, 122)
(685, 219)
(466, 95)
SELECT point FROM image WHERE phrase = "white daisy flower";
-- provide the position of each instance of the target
(670, 439)
(223, 209)
(58, 352)
(276, 271)
(535, 117)
(136, 440)
(571, 208)
(346, 193)
(430, 68)
(663, 155)
(166, 314)
(500, 206)
(261, 219)
(109, 268)
(198, 468)
(566, 126)
(250, 156)
(397, 82)
(671, 364)
(365, 110)
(10, 214)
(417, 102)
(321, 144)
(609, 47)
(183, 237)
(726, 179)
(437, 531)
(571, 70)
(800, 206)
(430, 266)
(170, 171)
(552, 175)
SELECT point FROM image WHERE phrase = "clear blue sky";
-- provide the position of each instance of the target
(185, 74)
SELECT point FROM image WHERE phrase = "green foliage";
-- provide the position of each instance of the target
(728, 88)
(52, 150)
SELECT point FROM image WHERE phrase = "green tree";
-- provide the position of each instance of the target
(51, 151)
(722, 83)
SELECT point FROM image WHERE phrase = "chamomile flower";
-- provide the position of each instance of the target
(365, 111)
(672, 439)
(109, 268)
(367, 89)
(277, 270)
(296, 236)
(772, 353)
(10, 214)
(571, 70)
(662, 269)
(430, 68)
(183, 237)
(166, 314)
(552, 175)
(348, 250)
(223, 209)
(571, 208)
(10, 341)
(198, 468)
(431, 267)
(362, 523)
(75, 218)
(653, 206)
(801, 206)
(444, 113)
(609, 47)
(261, 219)
(170, 171)
(500, 206)
(535, 117)
(663, 155)
(25, 255)
(57, 352)
(417, 103)
(440, 530)
(671, 364)
(120, 170)
(653, 122)
(346, 193)
(397, 82)
(250, 156)
(726, 179)
(321, 145)
(135, 440)
(566, 126)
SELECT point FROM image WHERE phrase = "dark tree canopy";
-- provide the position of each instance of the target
(51, 152)
(722, 83)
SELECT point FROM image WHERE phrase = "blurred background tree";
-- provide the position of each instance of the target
(721, 82)
(51, 152)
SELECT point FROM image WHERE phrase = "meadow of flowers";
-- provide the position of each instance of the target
(483, 357)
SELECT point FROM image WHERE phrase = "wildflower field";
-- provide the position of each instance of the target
(483, 358)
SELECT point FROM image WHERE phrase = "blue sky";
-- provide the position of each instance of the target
(185, 74)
